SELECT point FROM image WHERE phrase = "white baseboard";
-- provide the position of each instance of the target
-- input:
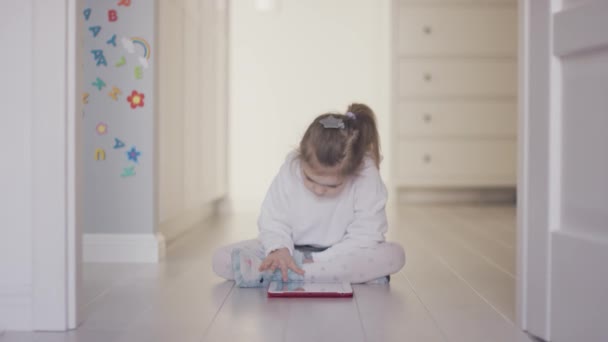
(456, 196)
(15, 307)
(178, 225)
(138, 248)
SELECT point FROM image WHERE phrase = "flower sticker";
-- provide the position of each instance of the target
(136, 99)
(101, 128)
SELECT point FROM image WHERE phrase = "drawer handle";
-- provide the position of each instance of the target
(428, 77)
(427, 158)
(427, 30)
(427, 117)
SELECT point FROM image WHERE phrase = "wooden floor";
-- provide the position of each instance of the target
(458, 285)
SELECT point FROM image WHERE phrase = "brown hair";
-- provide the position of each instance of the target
(346, 146)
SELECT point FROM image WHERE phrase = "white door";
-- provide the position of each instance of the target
(563, 264)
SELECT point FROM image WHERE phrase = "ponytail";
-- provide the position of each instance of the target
(368, 137)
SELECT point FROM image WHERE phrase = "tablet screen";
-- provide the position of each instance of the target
(307, 289)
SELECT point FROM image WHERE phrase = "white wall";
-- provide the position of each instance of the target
(291, 64)
(191, 111)
(15, 148)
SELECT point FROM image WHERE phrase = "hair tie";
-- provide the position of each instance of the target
(332, 122)
(351, 115)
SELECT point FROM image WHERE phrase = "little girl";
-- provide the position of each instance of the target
(323, 218)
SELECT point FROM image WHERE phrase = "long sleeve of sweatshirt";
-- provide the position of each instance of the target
(274, 226)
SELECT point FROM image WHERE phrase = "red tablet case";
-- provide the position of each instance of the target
(297, 294)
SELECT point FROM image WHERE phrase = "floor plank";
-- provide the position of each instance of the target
(432, 227)
(323, 320)
(248, 315)
(456, 307)
(394, 313)
(488, 280)
(477, 235)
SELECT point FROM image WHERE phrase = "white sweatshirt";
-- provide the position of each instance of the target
(293, 215)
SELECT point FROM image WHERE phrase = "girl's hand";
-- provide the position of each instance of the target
(281, 259)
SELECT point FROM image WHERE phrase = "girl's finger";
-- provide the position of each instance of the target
(273, 266)
(295, 268)
(268, 263)
(264, 266)
(284, 272)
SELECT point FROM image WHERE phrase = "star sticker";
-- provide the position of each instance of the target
(133, 154)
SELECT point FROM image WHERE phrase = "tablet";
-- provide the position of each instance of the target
(306, 289)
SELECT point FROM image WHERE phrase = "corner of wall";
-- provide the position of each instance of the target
(176, 226)
(134, 248)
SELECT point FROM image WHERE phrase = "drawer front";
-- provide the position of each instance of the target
(423, 78)
(459, 162)
(457, 119)
(453, 31)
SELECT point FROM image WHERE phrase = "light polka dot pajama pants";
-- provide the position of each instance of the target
(357, 266)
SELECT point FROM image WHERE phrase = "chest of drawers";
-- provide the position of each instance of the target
(455, 88)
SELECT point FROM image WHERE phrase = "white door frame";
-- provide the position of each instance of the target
(539, 167)
(56, 164)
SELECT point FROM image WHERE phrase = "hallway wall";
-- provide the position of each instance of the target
(290, 64)
(155, 113)
(191, 84)
(119, 55)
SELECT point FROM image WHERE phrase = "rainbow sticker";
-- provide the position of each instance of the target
(143, 43)
(130, 43)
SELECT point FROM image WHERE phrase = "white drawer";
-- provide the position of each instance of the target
(457, 119)
(457, 162)
(456, 31)
(425, 78)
